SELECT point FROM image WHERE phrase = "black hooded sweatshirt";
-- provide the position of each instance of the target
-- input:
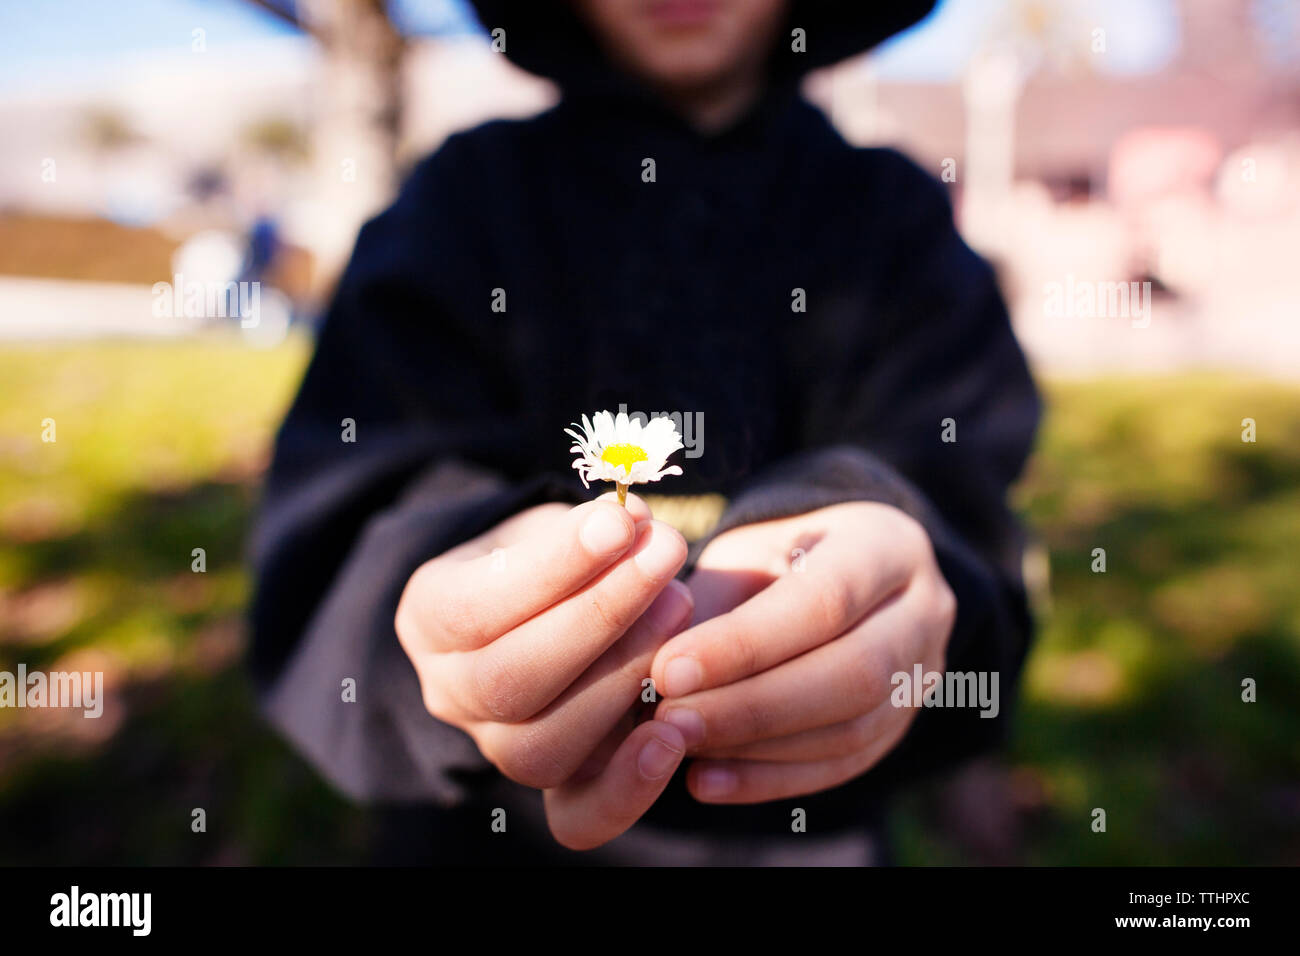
(811, 300)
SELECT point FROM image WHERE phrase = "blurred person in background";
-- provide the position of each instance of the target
(446, 631)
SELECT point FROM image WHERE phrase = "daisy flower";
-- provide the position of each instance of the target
(622, 450)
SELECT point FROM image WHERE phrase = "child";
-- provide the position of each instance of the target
(681, 233)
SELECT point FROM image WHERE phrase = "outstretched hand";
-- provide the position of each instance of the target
(534, 639)
(782, 685)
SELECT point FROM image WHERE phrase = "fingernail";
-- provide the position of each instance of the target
(672, 608)
(661, 556)
(605, 533)
(635, 512)
(656, 759)
(688, 722)
(715, 782)
(682, 676)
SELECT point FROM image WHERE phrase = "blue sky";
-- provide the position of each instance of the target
(45, 39)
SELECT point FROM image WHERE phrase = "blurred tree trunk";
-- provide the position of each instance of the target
(358, 117)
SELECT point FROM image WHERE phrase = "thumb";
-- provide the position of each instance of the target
(583, 815)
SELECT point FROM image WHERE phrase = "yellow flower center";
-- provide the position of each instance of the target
(624, 455)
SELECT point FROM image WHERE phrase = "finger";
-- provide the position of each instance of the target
(838, 681)
(636, 506)
(463, 605)
(529, 523)
(797, 612)
(747, 781)
(521, 672)
(822, 743)
(551, 747)
(540, 520)
(585, 815)
(598, 759)
(718, 590)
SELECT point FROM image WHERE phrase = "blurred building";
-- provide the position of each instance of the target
(1064, 174)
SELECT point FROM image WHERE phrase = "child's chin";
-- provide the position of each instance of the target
(694, 69)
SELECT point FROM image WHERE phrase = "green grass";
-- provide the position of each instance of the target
(1131, 700)
(159, 450)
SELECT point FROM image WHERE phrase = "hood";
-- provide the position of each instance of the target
(546, 37)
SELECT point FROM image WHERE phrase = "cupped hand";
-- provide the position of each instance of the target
(534, 639)
(782, 685)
